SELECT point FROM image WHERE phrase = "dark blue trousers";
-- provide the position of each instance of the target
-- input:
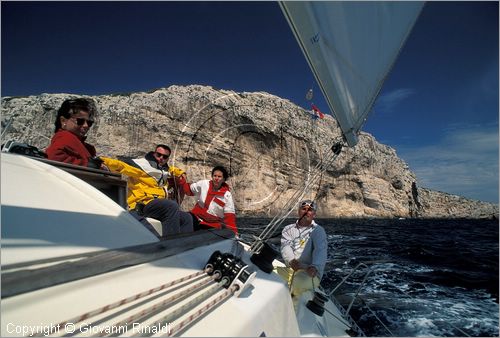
(173, 220)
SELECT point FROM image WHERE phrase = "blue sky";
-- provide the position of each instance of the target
(438, 108)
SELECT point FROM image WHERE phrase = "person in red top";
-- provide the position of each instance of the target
(73, 121)
(215, 205)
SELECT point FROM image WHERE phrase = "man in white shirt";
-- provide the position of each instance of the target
(304, 249)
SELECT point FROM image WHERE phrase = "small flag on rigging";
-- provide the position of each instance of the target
(316, 112)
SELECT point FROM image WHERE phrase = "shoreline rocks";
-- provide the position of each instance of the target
(271, 147)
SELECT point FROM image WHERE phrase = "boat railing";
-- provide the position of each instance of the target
(355, 330)
(363, 282)
(114, 185)
(346, 311)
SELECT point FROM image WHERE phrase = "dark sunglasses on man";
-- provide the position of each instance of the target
(164, 156)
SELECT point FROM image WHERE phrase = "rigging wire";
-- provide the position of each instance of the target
(289, 206)
(292, 201)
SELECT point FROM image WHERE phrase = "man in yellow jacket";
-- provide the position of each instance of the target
(148, 190)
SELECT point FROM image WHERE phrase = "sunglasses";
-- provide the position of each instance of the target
(80, 121)
(309, 204)
(165, 156)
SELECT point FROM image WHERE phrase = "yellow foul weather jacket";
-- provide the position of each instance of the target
(144, 185)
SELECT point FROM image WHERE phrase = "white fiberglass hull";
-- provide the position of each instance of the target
(63, 216)
(258, 310)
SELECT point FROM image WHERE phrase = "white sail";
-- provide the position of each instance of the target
(351, 47)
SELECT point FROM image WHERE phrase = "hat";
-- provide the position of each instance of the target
(310, 204)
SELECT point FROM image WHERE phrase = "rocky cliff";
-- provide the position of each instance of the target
(271, 146)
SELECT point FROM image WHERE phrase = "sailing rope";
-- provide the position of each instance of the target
(205, 308)
(164, 303)
(289, 206)
(121, 302)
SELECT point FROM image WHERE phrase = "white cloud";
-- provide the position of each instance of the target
(387, 101)
(488, 82)
(465, 163)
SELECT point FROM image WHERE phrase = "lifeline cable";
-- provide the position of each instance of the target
(366, 304)
(377, 317)
(342, 320)
(410, 296)
(339, 318)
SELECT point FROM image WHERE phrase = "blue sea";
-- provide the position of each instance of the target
(429, 277)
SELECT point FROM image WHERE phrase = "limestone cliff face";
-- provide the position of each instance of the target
(271, 146)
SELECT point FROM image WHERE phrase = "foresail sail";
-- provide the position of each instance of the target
(351, 47)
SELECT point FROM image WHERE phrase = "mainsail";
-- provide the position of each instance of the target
(351, 47)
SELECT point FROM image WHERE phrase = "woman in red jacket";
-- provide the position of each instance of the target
(215, 205)
(73, 121)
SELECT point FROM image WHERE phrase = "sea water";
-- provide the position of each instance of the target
(432, 277)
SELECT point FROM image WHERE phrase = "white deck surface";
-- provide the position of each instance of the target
(48, 213)
(264, 308)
